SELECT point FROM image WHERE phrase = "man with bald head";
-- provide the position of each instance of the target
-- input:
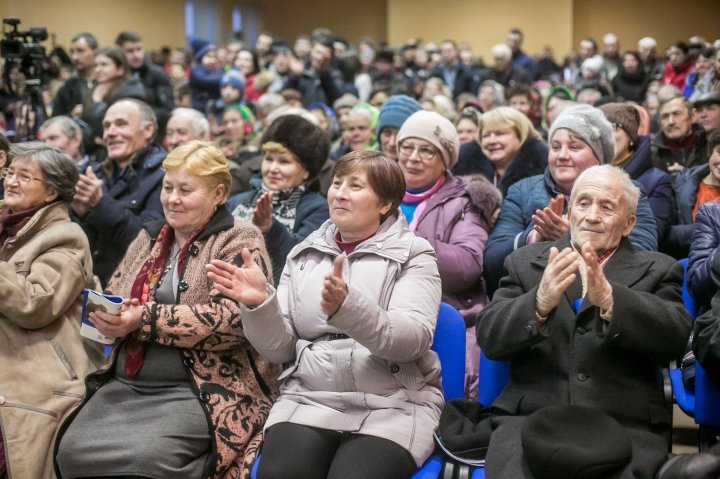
(116, 197)
(585, 322)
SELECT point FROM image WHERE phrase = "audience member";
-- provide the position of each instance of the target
(678, 66)
(453, 215)
(354, 313)
(693, 187)
(467, 125)
(570, 317)
(281, 203)
(179, 344)
(66, 134)
(632, 154)
(520, 59)
(391, 117)
(44, 267)
(707, 108)
(703, 249)
(77, 88)
(452, 72)
(679, 144)
(115, 198)
(508, 149)
(503, 70)
(5, 158)
(316, 79)
(205, 76)
(632, 80)
(112, 82)
(611, 55)
(534, 208)
(158, 90)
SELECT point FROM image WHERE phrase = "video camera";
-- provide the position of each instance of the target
(23, 47)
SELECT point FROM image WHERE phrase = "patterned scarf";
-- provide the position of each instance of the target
(143, 288)
(284, 205)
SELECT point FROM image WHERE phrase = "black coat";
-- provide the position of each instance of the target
(464, 82)
(663, 156)
(580, 359)
(158, 93)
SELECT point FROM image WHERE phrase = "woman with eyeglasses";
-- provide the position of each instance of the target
(45, 264)
(454, 215)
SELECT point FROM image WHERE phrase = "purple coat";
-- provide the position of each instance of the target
(455, 223)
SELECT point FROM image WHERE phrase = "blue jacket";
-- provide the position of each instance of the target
(311, 212)
(130, 199)
(204, 86)
(531, 160)
(703, 251)
(515, 223)
(679, 234)
(656, 183)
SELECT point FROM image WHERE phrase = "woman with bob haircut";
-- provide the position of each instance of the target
(508, 149)
(354, 317)
(45, 264)
(183, 393)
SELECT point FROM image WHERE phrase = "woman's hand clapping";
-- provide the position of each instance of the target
(246, 285)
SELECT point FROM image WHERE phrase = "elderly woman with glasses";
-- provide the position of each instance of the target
(45, 264)
(454, 215)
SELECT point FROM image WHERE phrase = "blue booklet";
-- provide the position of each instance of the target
(95, 301)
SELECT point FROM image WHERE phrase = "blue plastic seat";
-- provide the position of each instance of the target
(449, 344)
(701, 404)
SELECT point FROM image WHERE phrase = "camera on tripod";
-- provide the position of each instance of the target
(23, 47)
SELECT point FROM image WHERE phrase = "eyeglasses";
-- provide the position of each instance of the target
(425, 153)
(7, 173)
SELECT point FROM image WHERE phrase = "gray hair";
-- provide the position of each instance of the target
(58, 169)
(147, 115)
(631, 193)
(200, 124)
(501, 50)
(67, 126)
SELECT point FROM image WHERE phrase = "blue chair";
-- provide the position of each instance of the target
(449, 344)
(702, 404)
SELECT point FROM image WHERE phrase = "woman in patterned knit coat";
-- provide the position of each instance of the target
(184, 394)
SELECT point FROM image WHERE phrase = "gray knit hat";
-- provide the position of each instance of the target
(590, 125)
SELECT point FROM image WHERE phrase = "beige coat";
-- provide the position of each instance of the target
(43, 272)
(382, 379)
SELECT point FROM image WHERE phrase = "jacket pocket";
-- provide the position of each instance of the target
(63, 358)
(508, 402)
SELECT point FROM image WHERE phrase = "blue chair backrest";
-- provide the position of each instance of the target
(493, 377)
(690, 303)
(707, 399)
(449, 344)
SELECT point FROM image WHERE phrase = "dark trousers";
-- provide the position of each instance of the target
(303, 452)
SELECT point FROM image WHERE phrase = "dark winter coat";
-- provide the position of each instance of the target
(704, 249)
(578, 358)
(679, 235)
(663, 156)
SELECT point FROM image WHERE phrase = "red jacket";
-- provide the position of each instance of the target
(676, 76)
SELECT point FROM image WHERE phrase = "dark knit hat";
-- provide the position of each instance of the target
(200, 47)
(234, 78)
(590, 125)
(395, 111)
(303, 139)
(574, 442)
(625, 116)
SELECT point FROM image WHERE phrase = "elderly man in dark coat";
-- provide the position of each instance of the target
(587, 320)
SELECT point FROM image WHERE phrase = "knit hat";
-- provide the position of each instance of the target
(303, 139)
(436, 130)
(235, 78)
(395, 111)
(574, 442)
(347, 100)
(246, 114)
(625, 116)
(559, 91)
(200, 47)
(591, 126)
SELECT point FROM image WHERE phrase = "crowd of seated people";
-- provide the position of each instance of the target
(282, 221)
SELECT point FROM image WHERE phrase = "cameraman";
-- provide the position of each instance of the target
(73, 93)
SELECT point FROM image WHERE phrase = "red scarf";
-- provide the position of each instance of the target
(143, 288)
(12, 223)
